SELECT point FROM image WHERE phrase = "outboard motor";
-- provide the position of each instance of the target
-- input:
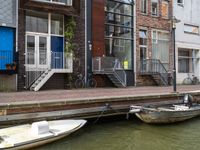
(187, 100)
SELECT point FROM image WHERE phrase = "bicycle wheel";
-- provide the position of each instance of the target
(79, 83)
(92, 83)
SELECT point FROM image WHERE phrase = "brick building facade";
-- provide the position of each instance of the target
(37, 11)
(152, 22)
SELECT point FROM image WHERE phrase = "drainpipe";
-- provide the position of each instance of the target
(16, 37)
(85, 41)
(134, 42)
(88, 39)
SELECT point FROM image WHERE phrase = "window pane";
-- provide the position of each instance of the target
(118, 30)
(191, 29)
(42, 50)
(113, 31)
(143, 37)
(30, 50)
(160, 47)
(120, 49)
(116, 7)
(67, 2)
(154, 8)
(121, 20)
(36, 22)
(57, 24)
(143, 6)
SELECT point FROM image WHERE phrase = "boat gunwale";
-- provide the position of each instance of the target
(43, 139)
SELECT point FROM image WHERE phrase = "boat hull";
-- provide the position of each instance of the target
(156, 116)
(36, 144)
(22, 137)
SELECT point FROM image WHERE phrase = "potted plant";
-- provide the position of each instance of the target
(8, 67)
(14, 66)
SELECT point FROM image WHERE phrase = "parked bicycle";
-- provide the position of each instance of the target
(80, 81)
(191, 80)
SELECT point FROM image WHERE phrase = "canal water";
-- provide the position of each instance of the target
(132, 135)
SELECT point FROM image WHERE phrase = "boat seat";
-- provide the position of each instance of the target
(181, 107)
(41, 127)
(165, 109)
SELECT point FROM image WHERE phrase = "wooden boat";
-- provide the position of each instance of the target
(32, 135)
(167, 114)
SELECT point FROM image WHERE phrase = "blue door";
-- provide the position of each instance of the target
(6, 46)
(57, 52)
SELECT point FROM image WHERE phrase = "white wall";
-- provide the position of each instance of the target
(189, 13)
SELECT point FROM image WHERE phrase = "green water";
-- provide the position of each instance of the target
(132, 135)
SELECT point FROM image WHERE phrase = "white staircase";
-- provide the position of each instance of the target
(36, 77)
(42, 80)
(44, 77)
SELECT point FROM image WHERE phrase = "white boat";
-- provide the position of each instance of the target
(38, 133)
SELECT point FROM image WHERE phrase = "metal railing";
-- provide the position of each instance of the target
(152, 67)
(106, 65)
(6, 57)
(35, 68)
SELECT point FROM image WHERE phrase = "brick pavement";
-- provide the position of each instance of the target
(28, 96)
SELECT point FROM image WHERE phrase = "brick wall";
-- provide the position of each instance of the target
(21, 48)
(150, 22)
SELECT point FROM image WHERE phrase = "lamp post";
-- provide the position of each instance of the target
(174, 21)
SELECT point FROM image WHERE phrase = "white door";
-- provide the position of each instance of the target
(37, 51)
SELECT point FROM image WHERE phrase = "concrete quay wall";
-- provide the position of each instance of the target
(21, 112)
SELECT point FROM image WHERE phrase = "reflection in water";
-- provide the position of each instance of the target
(132, 135)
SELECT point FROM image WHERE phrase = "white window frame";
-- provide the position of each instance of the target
(69, 2)
(156, 39)
(48, 35)
(142, 7)
(144, 46)
(157, 13)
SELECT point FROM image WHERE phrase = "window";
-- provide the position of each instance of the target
(191, 29)
(160, 46)
(165, 9)
(188, 60)
(154, 7)
(144, 4)
(143, 48)
(183, 61)
(36, 22)
(180, 2)
(65, 2)
(56, 24)
(39, 22)
(119, 30)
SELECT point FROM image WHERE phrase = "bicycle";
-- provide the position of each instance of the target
(188, 80)
(80, 81)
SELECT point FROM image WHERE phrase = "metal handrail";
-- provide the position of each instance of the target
(6, 57)
(58, 60)
(154, 66)
(107, 65)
